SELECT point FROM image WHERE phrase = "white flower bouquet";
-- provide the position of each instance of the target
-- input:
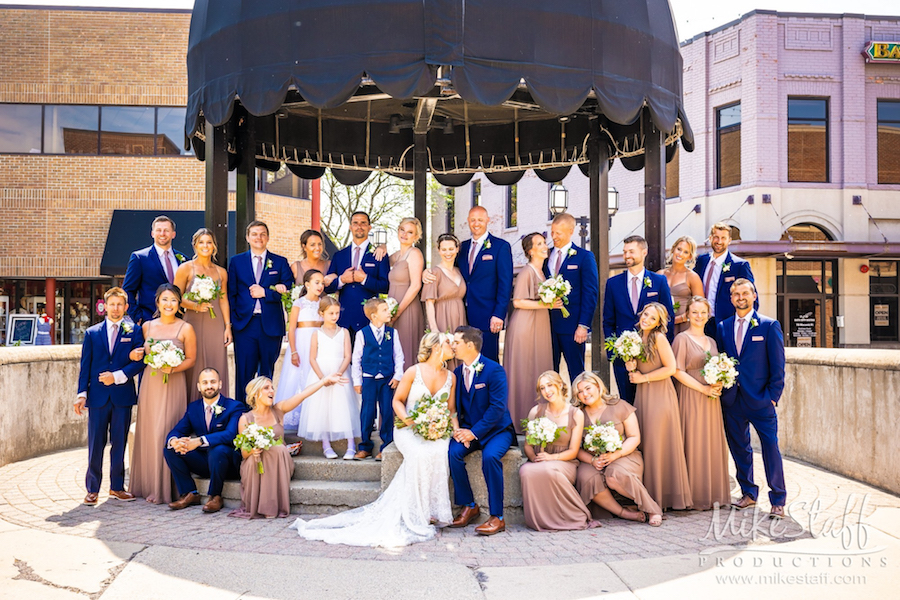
(601, 438)
(431, 418)
(628, 346)
(720, 369)
(289, 297)
(541, 431)
(553, 288)
(256, 436)
(204, 289)
(162, 354)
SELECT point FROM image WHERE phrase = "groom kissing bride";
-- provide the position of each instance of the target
(418, 498)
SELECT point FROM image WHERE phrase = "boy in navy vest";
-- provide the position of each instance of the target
(377, 369)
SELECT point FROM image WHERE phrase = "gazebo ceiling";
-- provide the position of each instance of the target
(495, 85)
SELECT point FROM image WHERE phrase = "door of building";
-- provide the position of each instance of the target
(807, 294)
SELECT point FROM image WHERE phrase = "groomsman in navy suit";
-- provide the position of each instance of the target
(626, 296)
(149, 268)
(106, 389)
(719, 270)
(484, 424)
(203, 443)
(257, 314)
(360, 275)
(579, 268)
(758, 344)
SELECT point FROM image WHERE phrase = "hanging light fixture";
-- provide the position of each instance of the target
(558, 199)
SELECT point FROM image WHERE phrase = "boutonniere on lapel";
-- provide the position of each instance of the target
(269, 263)
(370, 249)
(180, 257)
(127, 328)
(218, 410)
(387, 335)
(753, 323)
(572, 252)
(647, 282)
(478, 367)
(726, 267)
(487, 244)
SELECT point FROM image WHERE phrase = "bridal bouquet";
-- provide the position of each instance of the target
(542, 431)
(256, 436)
(163, 353)
(628, 346)
(392, 303)
(431, 418)
(288, 297)
(553, 288)
(204, 289)
(601, 438)
(720, 369)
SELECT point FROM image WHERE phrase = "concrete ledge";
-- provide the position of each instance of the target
(883, 360)
(512, 486)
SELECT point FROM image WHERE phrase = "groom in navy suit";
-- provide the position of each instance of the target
(149, 268)
(203, 443)
(579, 268)
(360, 275)
(758, 344)
(256, 280)
(626, 296)
(106, 389)
(718, 271)
(484, 424)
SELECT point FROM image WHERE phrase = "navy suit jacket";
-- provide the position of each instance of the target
(760, 364)
(241, 277)
(353, 295)
(144, 274)
(489, 285)
(736, 268)
(96, 359)
(222, 428)
(580, 270)
(483, 410)
(618, 316)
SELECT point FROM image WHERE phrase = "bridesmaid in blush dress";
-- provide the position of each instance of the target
(527, 351)
(549, 497)
(443, 298)
(665, 469)
(407, 265)
(314, 257)
(702, 425)
(160, 405)
(622, 470)
(683, 281)
(269, 494)
(213, 333)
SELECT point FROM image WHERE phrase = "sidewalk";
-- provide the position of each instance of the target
(51, 546)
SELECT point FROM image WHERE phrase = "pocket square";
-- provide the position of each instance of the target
(125, 339)
(487, 257)
(273, 272)
(757, 338)
(478, 386)
(652, 294)
(571, 266)
(727, 279)
(369, 265)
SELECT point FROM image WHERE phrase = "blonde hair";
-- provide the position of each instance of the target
(427, 345)
(254, 388)
(116, 292)
(196, 238)
(661, 328)
(692, 245)
(554, 378)
(414, 221)
(593, 379)
(698, 300)
(371, 306)
(326, 301)
(721, 226)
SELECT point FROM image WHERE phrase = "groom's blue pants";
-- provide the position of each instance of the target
(565, 346)
(492, 451)
(218, 463)
(738, 418)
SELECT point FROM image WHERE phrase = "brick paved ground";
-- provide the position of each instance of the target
(45, 494)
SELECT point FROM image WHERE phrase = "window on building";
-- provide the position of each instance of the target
(728, 146)
(170, 130)
(673, 177)
(476, 193)
(71, 129)
(889, 141)
(128, 130)
(884, 301)
(451, 209)
(20, 128)
(512, 201)
(808, 139)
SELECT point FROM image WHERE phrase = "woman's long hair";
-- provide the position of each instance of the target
(662, 327)
(594, 379)
(304, 237)
(306, 277)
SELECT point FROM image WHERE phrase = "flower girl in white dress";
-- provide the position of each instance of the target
(302, 324)
(418, 497)
(332, 413)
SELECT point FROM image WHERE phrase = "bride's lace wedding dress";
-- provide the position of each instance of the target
(418, 494)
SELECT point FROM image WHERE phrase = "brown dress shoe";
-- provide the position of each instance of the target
(378, 456)
(362, 455)
(491, 526)
(777, 512)
(91, 499)
(122, 495)
(188, 499)
(466, 516)
(745, 502)
(214, 505)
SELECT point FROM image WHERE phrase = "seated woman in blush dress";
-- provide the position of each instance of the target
(620, 471)
(549, 497)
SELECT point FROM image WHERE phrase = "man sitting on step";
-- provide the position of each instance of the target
(203, 443)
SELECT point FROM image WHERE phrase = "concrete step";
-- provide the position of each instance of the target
(314, 448)
(310, 497)
(309, 467)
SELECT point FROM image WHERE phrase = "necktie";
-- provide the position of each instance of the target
(379, 335)
(739, 340)
(709, 272)
(112, 337)
(635, 296)
(473, 252)
(559, 259)
(208, 416)
(468, 378)
(169, 273)
(356, 257)
(258, 268)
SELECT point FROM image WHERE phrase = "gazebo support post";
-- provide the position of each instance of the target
(420, 187)
(217, 189)
(655, 196)
(245, 196)
(598, 153)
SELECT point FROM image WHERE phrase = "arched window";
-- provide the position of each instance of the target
(806, 232)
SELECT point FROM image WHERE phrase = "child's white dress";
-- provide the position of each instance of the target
(333, 411)
(293, 379)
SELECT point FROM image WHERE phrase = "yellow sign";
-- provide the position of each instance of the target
(882, 52)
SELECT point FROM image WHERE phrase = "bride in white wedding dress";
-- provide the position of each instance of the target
(418, 497)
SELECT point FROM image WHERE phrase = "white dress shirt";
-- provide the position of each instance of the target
(162, 260)
(554, 256)
(203, 442)
(716, 265)
(119, 376)
(356, 372)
